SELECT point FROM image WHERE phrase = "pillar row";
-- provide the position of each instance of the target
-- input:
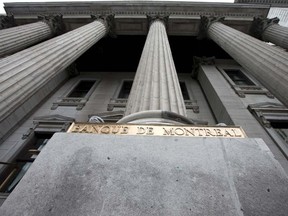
(276, 34)
(156, 85)
(266, 63)
(269, 30)
(18, 38)
(27, 71)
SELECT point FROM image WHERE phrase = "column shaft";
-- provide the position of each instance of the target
(27, 71)
(267, 64)
(17, 38)
(276, 34)
(156, 85)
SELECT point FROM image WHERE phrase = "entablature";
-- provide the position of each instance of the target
(130, 17)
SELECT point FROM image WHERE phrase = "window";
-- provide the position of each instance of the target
(123, 92)
(274, 119)
(242, 83)
(238, 77)
(34, 140)
(125, 89)
(121, 96)
(81, 90)
(184, 91)
(190, 103)
(17, 169)
(78, 96)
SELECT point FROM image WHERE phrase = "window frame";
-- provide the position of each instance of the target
(122, 102)
(116, 101)
(242, 90)
(43, 126)
(264, 113)
(79, 102)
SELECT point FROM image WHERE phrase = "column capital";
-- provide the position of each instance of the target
(108, 21)
(152, 18)
(55, 23)
(205, 22)
(259, 25)
(7, 22)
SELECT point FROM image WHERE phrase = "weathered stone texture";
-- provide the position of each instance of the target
(266, 63)
(18, 38)
(156, 85)
(133, 175)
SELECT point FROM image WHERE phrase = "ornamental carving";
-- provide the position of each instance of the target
(108, 21)
(7, 22)
(55, 23)
(205, 23)
(164, 18)
(259, 25)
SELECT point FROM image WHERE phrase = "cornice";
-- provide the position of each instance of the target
(136, 8)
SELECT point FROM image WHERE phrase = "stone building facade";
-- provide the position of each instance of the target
(145, 63)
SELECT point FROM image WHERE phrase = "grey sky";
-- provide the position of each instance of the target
(2, 11)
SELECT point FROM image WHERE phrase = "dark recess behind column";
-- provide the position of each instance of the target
(122, 54)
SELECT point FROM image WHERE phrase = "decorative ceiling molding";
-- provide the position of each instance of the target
(136, 8)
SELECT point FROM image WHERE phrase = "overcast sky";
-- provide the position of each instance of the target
(2, 11)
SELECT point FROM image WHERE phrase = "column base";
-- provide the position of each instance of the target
(156, 117)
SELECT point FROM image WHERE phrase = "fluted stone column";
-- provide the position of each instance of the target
(156, 85)
(18, 38)
(266, 63)
(25, 72)
(269, 30)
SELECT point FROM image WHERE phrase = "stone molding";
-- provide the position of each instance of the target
(121, 103)
(54, 22)
(51, 123)
(259, 25)
(152, 18)
(7, 22)
(205, 22)
(136, 8)
(198, 61)
(273, 2)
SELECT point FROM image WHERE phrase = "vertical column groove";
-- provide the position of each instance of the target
(276, 34)
(25, 72)
(18, 38)
(156, 85)
(266, 63)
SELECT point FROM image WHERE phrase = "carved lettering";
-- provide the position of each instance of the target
(150, 131)
(141, 130)
(168, 132)
(179, 131)
(227, 133)
(125, 130)
(209, 132)
(235, 133)
(188, 131)
(218, 132)
(105, 130)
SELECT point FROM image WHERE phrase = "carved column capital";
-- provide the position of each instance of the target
(163, 18)
(7, 22)
(198, 61)
(205, 22)
(108, 21)
(55, 23)
(260, 24)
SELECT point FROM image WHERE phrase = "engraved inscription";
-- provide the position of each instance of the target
(157, 130)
